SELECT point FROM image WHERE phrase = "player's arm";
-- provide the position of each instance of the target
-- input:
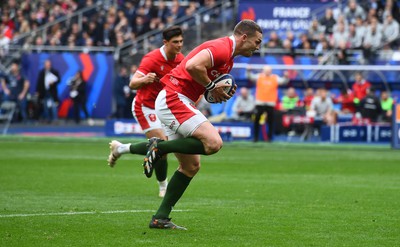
(251, 76)
(282, 80)
(138, 80)
(197, 68)
(4, 86)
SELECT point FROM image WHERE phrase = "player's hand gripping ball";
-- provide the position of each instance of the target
(226, 81)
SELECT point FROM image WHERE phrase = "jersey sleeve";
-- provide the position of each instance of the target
(219, 54)
(146, 65)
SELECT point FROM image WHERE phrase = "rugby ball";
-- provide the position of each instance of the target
(226, 81)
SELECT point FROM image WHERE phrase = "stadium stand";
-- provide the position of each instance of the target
(363, 32)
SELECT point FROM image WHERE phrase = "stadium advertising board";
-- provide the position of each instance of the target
(378, 133)
(228, 131)
(281, 15)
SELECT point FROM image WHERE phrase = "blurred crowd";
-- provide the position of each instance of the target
(108, 24)
(303, 112)
(367, 25)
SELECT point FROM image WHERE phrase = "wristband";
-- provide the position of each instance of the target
(210, 86)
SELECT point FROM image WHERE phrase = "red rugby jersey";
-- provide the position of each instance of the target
(156, 62)
(221, 53)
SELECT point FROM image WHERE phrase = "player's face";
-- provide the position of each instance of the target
(175, 44)
(251, 44)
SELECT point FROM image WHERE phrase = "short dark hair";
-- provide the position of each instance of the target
(171, 32)
(248, 27)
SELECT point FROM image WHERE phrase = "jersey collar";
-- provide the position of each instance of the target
(163, 52)
(233, 44)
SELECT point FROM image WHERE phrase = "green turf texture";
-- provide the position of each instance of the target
(246, 195)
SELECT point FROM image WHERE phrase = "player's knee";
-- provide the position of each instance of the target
(190, 170)
(213, 145)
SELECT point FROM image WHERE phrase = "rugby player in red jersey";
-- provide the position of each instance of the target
(153, 66)
(189, 132)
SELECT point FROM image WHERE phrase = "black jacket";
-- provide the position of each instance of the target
(370, 107)
(41, 88)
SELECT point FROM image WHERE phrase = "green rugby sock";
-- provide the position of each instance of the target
(188, 145)
(161, 168)
(176, 186)
(138, 148)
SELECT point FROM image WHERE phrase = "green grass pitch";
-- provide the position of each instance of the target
(60, 192)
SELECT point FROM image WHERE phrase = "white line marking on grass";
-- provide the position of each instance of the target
(87, 212)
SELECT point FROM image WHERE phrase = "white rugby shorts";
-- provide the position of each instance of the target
(146, 117)
(178, 113)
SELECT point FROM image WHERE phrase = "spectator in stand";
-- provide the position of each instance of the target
(322, 47)
(371, 14)
(391, 30)
(340, 35)
(290, 100)
(328, 22)
(375, 22)
(190, 11)
(15, 88)
(130, 11)
(141, 27)
(274, 41)
(176, 10)
(355, 39)
(292, 38)
(387, 105)
(353, 10)
(391, 7)
(341, 20)
(91, 29)
(308, 97)
(149, 9)
(370, 106)
(76, 32)
(361, 27)
(315, 31)
(122, 24)
(372, 41)
(341, 54)
(7, 21)
(162, 11)
(346, 99)
(107, 35)
(307, 49)
(360, 87)
(91, 14)
(288, 49)
(243, 107)
(4, 39)
(266, 97)
(303, 39)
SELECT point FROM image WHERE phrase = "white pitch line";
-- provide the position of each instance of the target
(87, 212)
